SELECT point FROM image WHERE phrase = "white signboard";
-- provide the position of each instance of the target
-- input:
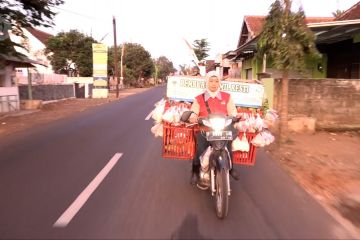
(183, 88)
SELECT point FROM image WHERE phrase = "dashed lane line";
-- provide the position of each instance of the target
(68, 215)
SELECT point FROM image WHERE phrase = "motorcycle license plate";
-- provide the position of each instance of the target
(219, 135)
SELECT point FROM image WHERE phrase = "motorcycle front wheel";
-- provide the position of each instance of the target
(221, 196)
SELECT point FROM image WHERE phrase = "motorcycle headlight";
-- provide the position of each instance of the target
(217, 124)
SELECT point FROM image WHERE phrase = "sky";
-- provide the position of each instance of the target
(161, 25)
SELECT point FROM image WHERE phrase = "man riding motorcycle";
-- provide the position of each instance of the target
(211, 101)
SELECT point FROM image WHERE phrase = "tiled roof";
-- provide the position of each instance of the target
(318, 19)
(350, 14)
(255, 23)
(42, 36)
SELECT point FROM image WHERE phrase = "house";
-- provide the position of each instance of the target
(242, 59)
(9, 60)
(328, 91)
(350, 14)
(24, 65)
(34, 47)
(339, 43)
(35, 44)
(337, 39)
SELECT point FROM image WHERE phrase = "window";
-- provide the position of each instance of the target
(225, 71)
(249, 73)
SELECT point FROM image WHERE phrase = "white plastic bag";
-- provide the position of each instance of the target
(241, 144)
(259, 123)
(168, 116)
(236, 144)
(176, 115)
(158, 111)
(268, 137)
(262, 139)
(270, 118)
(157, 130)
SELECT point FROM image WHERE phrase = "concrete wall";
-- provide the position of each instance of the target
(87, 82)
(47, 92)
(335, 103)
(39, 78)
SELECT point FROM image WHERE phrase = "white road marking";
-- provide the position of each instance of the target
(149, 115)
(68, 215)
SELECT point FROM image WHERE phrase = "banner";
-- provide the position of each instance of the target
(100, 64)
(184, 88)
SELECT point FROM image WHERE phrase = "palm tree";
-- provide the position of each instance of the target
(337, 13)
(286, 40)
(201, 47)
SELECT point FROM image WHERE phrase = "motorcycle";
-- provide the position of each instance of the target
(216, 173)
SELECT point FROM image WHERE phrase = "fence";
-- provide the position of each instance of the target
(9, 99)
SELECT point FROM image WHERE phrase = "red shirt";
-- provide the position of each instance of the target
(216, 105)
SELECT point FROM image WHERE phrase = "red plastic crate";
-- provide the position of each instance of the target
(178, 142)
(246, 158)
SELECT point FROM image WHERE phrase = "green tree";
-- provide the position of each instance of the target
(137, 64)
(286, 40)
(201, 48)
(111, 68)
(19, 14)
(71, 51)
(164, 67)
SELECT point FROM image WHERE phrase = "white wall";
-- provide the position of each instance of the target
(89, 80)
(9, 96)
(83, 81)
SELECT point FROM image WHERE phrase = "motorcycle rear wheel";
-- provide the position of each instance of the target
(221, 195)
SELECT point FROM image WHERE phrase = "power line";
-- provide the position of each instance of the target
(82, 15)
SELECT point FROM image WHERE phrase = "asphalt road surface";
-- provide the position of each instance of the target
(99, 174)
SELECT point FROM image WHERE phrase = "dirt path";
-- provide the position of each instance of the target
(326, 165)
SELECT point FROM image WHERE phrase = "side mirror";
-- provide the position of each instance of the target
(185, 116)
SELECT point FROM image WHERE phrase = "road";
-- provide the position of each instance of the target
(99, 174)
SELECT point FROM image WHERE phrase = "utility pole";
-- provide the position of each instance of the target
(115, 59)
(122, 65)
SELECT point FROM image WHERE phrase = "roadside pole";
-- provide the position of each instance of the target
(29, 85)
(122, 66)
(115, 59)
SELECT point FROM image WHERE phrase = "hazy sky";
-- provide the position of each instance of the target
(160, 25)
